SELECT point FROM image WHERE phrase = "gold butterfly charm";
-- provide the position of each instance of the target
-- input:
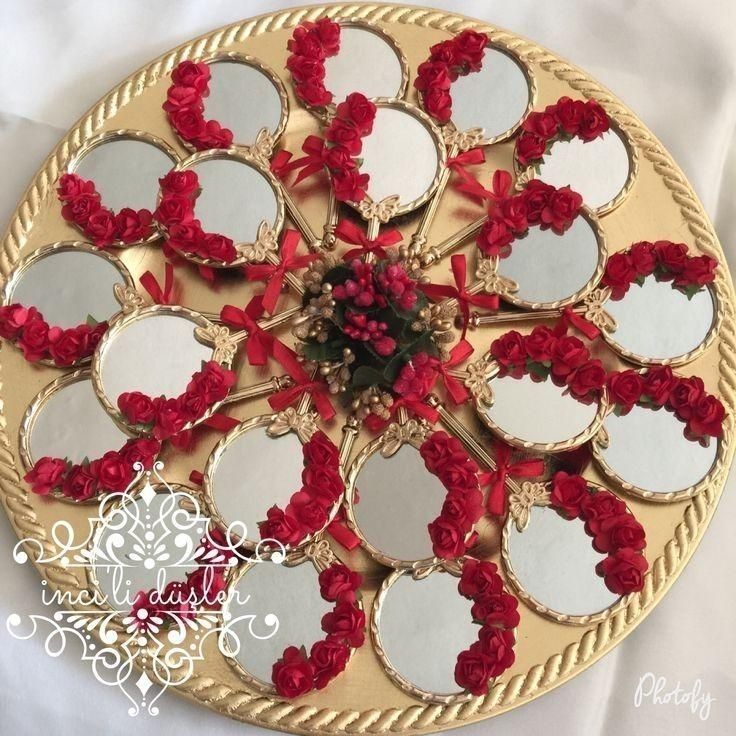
(520, 503)
(382, 211)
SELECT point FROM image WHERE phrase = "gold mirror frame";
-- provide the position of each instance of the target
(268, 234)
(24, 264)
(130, 135)
(536, 494)
(317, 553)
(204, 331)
(550, 655)
(526, 173)
(276, 425)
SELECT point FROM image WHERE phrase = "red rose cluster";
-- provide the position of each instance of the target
(184, 234)
(310, 45)
(510, 216)
(447, 61)
(668, 261)
(545, 353)
(702, 413)
(184, 108)
(496, 613)
(445, 457)
(166, 417)
(296, 673)
(353, 121)
(309, 508)
(614, 530)
(26, 328)
(564, 120)
(82, 206)
(113, 472)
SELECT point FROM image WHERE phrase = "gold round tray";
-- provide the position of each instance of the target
(364, 699)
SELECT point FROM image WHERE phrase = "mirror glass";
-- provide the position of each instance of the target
(243, 99)
(549, 267)
(656, 321)
(398, 497)
(234, 200)
(537, 412)
(286, 599)
(67, 286)
(554, 561)
(494, 98)
(72, 424)
(125, 172)
(377, 75)
(163, 341)
(597, 170)
(124, 560)
(648, 449)
(423, 625)
(253, 473)
(400, 156)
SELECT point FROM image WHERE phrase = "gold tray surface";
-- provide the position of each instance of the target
(661, 205)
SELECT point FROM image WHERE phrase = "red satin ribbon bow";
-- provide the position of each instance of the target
(304, 384)
(573, 319)
(419, 408)
(454, 386)
(500, 187)
(467, 158)
(274, 274)
(496, 502)
(349, 232)
(341, 533)
(312, 162)
(459, 291)
(280, 164)
(259, 344)
(160, 295)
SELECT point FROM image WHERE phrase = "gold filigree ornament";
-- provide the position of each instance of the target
(549, 651)
(521, 502)
(493, 283)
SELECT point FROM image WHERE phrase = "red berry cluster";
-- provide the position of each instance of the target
(511, 215)
(82, 206)
(164, 417)
(184, 108)
(416, 377)
(613, 528)
(545, 353)
(184, 234)
(353, 121)
(445, 457)
(496, 613)
(447, 61)
(113, 472)
(668, 261)
(564, 120)
(702, 413)
(296, 673)
(26, 328)
(358, 326)
(309, 508)
(310, 45)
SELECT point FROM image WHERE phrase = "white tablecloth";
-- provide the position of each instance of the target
(672, 61)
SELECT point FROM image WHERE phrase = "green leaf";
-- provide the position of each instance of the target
(91, 321)
(538, 369)
(366, 375)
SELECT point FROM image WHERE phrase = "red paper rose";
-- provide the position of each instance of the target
(192, 74)
(541, 124)
(498, 610)
(46, 475)
(438, 104)
(698, 270)
(658, 383)
(293, 674)
(207, 585)
(498, 644)
(470, 48)
(280, 526)
(349, 185)
(643, 258)
(321, 450)
(619, 275)
(67, 346)
(625, 389)
(439, 450)
(495, 237)
(596, 507)
(81, 207)
(183, 183)
(618, 532)
(685, 395)
(623, 572)
(309, 511)
(569, 114)
(587, 380)
(672, 256)
(323, 481)
(112, 472)
(570, 353)
(313, 93)
(480, 579)
(432, 75)
(594, 122)
(568, 493)
(79, 484)
(530, 148)
(463, 508)
(540, 344)
(473, 671)
(461, 477)
(188, 122)
(359, 110)
(562, 208)
(509, 351)
(328, 659)
(707, 418)
(448, 538)
(346, 622)
(141, 451)
(338, 582)
(12, 319)
(213, 381)
(100, 227)
(34, 339)
(536, 195)
(136, 407)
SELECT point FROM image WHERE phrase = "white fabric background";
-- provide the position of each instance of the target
(672, 61)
